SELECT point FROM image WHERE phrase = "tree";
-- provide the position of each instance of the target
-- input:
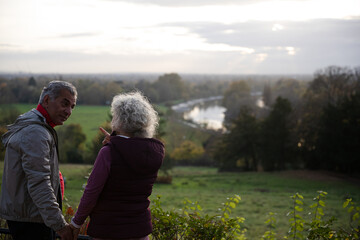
(239, 146)
(170, 87)
(187, 153)
(330, 86)
(32, 82)
(276, 149)
(71, 143)
(267, 95)
(96, 143)
(235, 97)
(339, 136)
(291, 89)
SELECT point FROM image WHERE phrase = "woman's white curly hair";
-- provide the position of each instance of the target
(133, 114)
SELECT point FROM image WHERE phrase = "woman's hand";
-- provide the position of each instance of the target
(75, 231)
(107, 136)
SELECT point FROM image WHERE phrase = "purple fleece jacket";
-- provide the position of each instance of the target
(116, 195)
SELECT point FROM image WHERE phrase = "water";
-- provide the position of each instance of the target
(206, 112)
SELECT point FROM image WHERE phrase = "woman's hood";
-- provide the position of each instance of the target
(143, 155)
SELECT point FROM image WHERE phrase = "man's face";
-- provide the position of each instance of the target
(60, 108)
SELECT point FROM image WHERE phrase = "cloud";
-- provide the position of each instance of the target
(330, 41)
(8, 45)
(277, 27)
(182, 36)
(259, 34)
(260, 57)
(76, 35)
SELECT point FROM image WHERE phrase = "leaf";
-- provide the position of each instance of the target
(299, 202)
(314, 205)
(350, 209)
(322, 203)
(299, 196)
(233, 205)
(346, 203)
(356, 216)
(299, 209)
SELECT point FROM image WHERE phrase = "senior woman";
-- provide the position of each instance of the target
(116, 195)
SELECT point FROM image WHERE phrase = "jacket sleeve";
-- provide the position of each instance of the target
(95, 185)
(36, 148)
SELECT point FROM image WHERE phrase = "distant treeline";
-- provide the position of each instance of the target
(272, 123)
(99, 89)
(95, 91)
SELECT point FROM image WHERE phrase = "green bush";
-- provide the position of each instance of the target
(188, 223)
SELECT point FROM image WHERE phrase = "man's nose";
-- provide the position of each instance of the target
(68, 111)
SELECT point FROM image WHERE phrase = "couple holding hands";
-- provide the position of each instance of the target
(117, 191)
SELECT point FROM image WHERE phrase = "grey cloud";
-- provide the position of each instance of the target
(319, 43)
(324, 41)
(260, 34)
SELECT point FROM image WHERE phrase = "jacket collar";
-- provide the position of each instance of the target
(43, 112)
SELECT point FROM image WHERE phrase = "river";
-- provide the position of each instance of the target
(208, 112)
(204, 112)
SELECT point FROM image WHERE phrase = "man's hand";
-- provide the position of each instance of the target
(66, 233)
(76, 231)
(107, 136)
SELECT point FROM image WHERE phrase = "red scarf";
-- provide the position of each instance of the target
(42, 110)
(52, 124)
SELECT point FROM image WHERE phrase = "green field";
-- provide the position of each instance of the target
(91, 117)
(261, 193)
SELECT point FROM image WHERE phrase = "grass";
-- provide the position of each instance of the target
(261, 193)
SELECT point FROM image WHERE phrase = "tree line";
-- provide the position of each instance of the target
(166, 88)
(313, 126)
(270, 125)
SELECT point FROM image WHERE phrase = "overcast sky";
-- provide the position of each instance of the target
(183, 36)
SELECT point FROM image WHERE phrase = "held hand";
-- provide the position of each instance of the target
(66, 233)
(107, 136)
(76, 231)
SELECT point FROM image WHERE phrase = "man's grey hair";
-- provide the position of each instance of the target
(53, 90)
(133, 114)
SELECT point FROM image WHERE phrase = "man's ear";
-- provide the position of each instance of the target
(46, 101)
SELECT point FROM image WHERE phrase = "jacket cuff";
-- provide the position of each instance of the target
(74, 224)
(57, 228)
